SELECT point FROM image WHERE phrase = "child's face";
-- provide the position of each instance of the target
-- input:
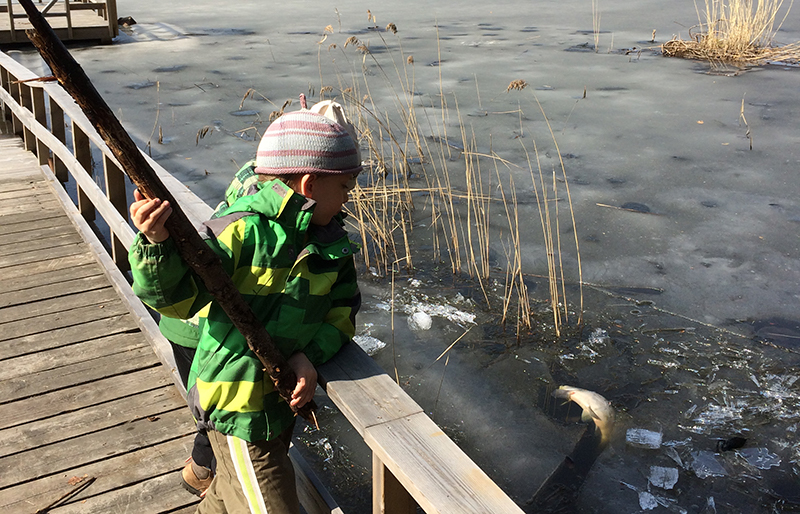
(331, 193)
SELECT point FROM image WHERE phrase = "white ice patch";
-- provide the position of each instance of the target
(647, 501)
(369, 344)
(420, 321)
(759, 457)
(665, 478)
(643, 438)
(705, 464)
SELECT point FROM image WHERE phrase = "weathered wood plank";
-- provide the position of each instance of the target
(31, 269)
(119, 471)
(62, 358)
(97, 297)
(440, 477)
(57, 320)
(26, 244)
(36, 222)
(90, 419)
(83, 396)
(158, 494)
(79, 451)
(80, 373)
(55, 290)
(28, 203)
(28, 217)
(41, 255)
(362, 389)
(30, 282)
(34, 233)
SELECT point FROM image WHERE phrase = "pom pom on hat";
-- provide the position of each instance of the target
(307, 142)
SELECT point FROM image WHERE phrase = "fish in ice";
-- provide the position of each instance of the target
(595, 408)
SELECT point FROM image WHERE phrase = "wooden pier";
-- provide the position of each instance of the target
(92, 417)
(85, 403)
(72, 20)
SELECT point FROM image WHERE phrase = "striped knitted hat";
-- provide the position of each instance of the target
(303, 142)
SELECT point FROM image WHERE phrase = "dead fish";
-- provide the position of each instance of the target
(595, 408)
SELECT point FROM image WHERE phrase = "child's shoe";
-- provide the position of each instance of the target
(196, 478)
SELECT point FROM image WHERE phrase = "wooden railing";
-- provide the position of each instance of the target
(414, 462)
(77, 25)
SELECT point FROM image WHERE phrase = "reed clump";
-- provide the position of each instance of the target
(426, 184)
(736, 32)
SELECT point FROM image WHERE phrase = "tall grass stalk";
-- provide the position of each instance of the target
(738, 32)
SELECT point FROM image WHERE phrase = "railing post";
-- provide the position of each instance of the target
(5, 83)
(115, 192)
(83, 153)
(388, 494)
(10, 5)
(59, 130)
(17, 127)
(26, 101)
(40, 113)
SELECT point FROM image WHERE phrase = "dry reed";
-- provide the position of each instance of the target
(385, 208)
(737, 32)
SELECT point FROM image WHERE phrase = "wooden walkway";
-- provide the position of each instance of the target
(72, 20)
(85, 404)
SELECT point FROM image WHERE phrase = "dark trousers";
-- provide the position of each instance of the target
(202, 453)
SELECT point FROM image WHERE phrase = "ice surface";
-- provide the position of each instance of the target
(643, 438)
(759, 457)
(647, 501)
(705, 464)
(369, 344)
(665, 478)
(420, 321)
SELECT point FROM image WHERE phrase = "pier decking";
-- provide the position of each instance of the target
(72, 20)
(85, 404)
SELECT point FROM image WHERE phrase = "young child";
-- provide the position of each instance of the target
(288, 254)
(183, 336)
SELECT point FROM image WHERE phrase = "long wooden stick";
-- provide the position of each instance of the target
(205, 263)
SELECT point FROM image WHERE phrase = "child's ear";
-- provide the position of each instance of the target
(306, 185)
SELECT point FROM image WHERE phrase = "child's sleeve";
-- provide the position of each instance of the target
(163, 281)
(339, 325)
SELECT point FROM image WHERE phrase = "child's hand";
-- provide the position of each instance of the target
(306, 380)
(149, 217)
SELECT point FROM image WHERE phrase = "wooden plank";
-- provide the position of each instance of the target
(82, 396)
(63, 357)
(429, 465)
(91, 419)
(388, 494)
(80, 373)
(16, 222)
(157, 494)
(28, 204)
(41, 255)
(76, 452)
(98, 297)
(360, 388)
(26, 245)
(35, 280)
(32, 269)
(69, 285)
(164, 458)
(57, 320)
(64, 336)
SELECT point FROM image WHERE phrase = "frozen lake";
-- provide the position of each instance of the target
(691, 299)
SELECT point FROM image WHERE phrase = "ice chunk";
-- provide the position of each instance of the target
(665, 478)
(369, 344)
(420, 321)
(647, 501)
(705, 464)
(643, 438)
(760, 457)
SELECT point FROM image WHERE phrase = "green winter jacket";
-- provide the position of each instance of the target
(186, 332)
(299, 279)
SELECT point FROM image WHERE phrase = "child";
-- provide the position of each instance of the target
(288, 254)
(183, 336)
